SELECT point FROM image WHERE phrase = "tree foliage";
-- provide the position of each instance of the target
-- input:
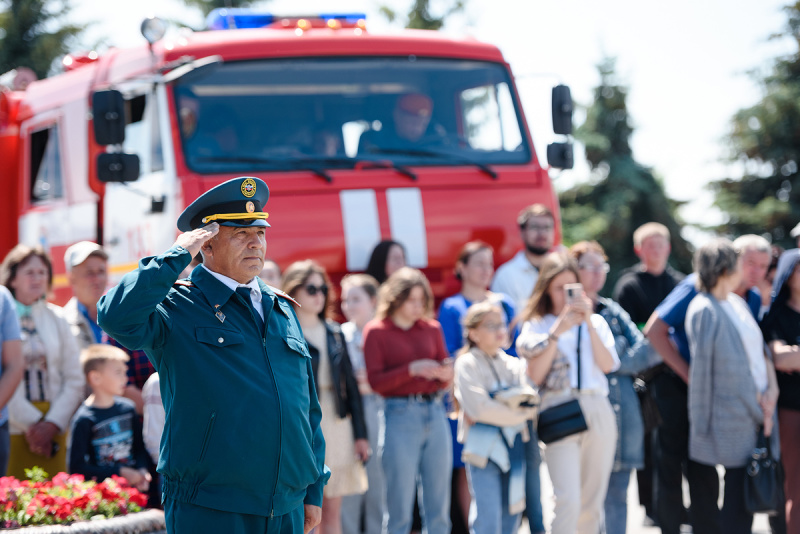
(207, 6)
(623, 194)
(33, 34)
(420, 16)
(765, 140)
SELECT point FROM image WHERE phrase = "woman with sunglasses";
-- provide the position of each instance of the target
(343, 425)
(635, 355)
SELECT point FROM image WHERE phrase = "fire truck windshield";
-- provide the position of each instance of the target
(329, 113)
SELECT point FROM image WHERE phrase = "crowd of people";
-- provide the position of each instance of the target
(430, 419)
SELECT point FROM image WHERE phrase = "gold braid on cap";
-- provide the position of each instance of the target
(234, 216)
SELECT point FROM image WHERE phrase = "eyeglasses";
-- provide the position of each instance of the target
(313, 290)
(539, 227)
(495, 327)
(602, 268)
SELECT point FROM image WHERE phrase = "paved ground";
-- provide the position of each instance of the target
(635, 512)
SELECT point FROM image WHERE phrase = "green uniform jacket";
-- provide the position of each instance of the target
(242, 430)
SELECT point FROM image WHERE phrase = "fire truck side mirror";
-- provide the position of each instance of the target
(562, 110)
(108, 110)
(560, 155)
(117, 167)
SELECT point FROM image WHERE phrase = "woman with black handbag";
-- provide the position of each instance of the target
(635, 355)
(569, 351)
(732, 384)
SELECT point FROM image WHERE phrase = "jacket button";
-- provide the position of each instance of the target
(220, 340)
(613, 381)
(616, 407)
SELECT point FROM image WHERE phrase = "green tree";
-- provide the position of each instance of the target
(765, 140)
(419, 16)
(622, 194)
(33, 34)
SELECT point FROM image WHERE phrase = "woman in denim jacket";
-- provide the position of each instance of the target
(635, 355)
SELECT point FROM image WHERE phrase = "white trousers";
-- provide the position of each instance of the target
(579, 467)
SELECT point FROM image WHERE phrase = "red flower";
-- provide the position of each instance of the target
(80, 502)
(139, 498)
(63, 512)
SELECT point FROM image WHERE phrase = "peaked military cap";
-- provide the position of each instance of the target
(238, 202)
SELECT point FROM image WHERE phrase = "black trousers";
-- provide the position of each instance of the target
(672, 460)
(734, 517)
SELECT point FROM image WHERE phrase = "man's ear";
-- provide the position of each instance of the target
(207, 249)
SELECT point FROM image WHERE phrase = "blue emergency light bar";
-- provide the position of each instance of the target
(240, 18)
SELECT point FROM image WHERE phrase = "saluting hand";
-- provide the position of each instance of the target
(193, 240)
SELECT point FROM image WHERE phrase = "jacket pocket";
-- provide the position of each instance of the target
(207, 436)
(218, 337)
(298, 346)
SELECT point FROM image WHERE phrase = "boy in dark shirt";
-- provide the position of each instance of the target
(106, 432)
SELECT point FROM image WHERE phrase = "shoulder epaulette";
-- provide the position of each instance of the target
(284, 295)
(185, 283)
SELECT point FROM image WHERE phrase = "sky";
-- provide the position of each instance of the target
(685, 62)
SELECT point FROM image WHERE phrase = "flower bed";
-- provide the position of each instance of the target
(66, 499)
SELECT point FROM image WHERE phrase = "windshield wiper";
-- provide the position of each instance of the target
(275, 164)
(366, 164)
(435, 154)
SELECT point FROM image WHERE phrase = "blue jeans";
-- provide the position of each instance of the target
(533, 487)
(488, 511)
(616, 504)
(417, 452)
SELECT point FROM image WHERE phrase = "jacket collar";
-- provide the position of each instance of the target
(218, 293)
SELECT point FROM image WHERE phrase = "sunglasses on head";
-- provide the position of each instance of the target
(313, 290)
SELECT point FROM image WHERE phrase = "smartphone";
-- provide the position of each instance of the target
(573, 292)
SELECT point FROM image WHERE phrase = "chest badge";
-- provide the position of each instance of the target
(219, 314)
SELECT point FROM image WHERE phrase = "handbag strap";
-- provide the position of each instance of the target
(579, 356)
(763, 442)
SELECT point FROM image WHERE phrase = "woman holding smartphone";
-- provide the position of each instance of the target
(569, 350)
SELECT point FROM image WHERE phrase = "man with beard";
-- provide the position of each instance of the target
(518, 275)
(516, 279)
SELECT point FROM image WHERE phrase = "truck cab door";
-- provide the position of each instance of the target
(139, 216)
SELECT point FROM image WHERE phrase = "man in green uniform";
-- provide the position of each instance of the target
(242, 450)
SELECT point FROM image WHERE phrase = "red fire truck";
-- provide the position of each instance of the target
(113, 149)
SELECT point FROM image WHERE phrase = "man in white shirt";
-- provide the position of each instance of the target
(518, 275)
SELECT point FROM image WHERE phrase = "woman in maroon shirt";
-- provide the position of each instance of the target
(408, 364)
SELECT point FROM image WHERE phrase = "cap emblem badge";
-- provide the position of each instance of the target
(249, 187)
(250, 207)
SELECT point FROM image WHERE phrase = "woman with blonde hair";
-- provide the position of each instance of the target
(363, 513)
(407, 363)
(483, 373)
(569, 350)
(343, 425)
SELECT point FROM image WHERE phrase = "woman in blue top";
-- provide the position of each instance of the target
(474, 269)
(635, 355)
(11, 367)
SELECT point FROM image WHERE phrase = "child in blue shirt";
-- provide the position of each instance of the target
(106, 432)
